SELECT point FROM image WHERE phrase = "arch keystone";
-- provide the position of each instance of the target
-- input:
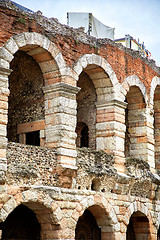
(29, 196)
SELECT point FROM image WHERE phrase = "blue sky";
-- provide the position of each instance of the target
(139, 18)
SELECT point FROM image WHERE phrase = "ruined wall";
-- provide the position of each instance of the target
(112, 202)
(34, 165)
(31, 165)
(26, 103)
(39, 177)
(96, 172)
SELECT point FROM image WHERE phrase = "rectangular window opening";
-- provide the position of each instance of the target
(33, 138)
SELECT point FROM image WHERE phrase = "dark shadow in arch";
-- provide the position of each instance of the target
(158, 234)
(138, 227)
(87, 228)
(21, 224)
(84, 136)
(82, 131)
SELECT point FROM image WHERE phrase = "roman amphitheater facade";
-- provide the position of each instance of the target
(79, 134)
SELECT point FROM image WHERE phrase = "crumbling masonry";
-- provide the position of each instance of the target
(79, 134)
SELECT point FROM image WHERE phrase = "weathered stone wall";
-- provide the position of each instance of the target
(96, 172)
(31, 165)
(31, 182)
(26, 102)
(55, 184)
(58, 209)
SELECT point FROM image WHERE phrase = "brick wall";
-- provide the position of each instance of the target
(74, 43)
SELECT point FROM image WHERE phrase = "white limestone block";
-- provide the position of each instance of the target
(5, 54)
(11, 46)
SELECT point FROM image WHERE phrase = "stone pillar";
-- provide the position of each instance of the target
(142, 135)
(110, 130)
(60, 121)
(150, 151)
(4, 93)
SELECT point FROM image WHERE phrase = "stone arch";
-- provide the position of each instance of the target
(103, 213)
(17, 226)
(155, 82)
(93, 59)
(142, 208)
(54, 71)
(34, 44)
(39, 202)
(109, 94)
(135, 117)
(154, 102)
(133, 80)
(134, 207)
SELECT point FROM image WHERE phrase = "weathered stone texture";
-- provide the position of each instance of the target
(57, 77)
(31, 165)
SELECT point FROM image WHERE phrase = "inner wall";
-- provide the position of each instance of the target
(86, 110)
(26, 103)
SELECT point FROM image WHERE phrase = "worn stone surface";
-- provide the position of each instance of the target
(31, 165)
(51, 63)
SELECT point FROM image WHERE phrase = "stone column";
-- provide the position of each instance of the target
(110, 130)
(60, 121)
(4, 93)
(149, 139)
(142, 135)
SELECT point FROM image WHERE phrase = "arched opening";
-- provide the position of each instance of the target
(96, 90)
(135, 123)
(138, 227)
(26, 100)
(94, 224)
(21, 224)
(82, 135)
(157, 126)
(87, 228)
(86, 112)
